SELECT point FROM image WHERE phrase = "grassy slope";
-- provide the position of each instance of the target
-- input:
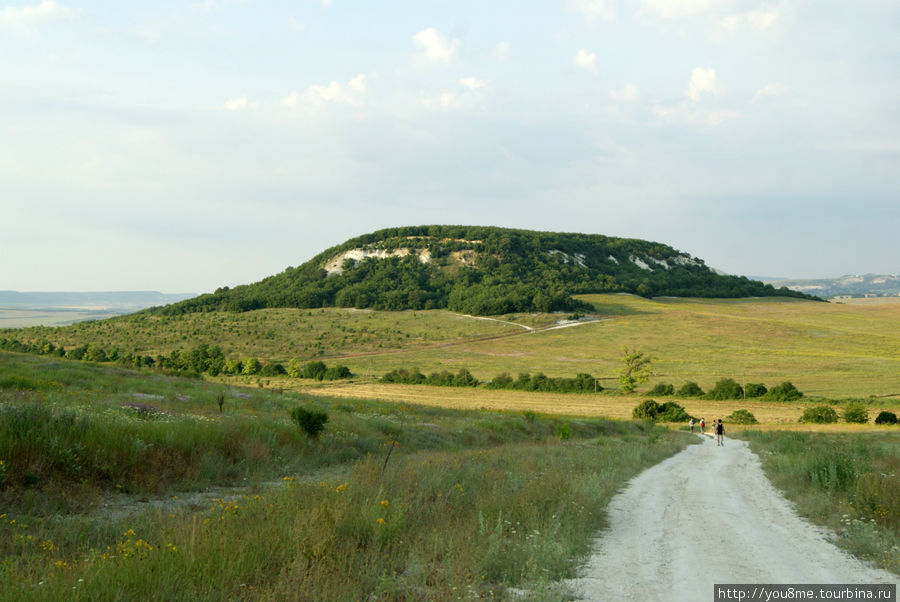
(829, 350)
(432, 526)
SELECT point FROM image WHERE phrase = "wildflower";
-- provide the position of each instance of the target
(380, 521)
(128, 533)
(48, 545)
(342, 488)
(385, 503)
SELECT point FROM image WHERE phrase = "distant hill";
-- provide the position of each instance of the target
(479, 270)
(866, 285)
(115, 301)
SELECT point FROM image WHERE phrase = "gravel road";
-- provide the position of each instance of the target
(708, 515)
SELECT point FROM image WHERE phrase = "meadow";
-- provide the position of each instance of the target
(116, 483)
(826, 349)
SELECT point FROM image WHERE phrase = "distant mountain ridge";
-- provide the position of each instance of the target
(480, 270)
(850, 285)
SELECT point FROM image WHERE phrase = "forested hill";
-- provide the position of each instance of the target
(479, 270)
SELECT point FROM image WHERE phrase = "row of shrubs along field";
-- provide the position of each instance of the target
(581, 383)
(728, 389)
(200, 359)
(255, 494)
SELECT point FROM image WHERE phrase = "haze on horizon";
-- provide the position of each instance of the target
(188, 145)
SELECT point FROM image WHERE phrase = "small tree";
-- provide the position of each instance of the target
(646, 410)
(311, 422)
(662, 389)
(726, 388)
(786, 391)
(742, 417)
(755, 390)
(636, 370)
(294, 369)
(251, 366)
(819, 415)
(857, 413)
(690, 389)
(886, 417)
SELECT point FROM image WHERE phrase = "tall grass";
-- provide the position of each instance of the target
(850, 483)
(390, 502)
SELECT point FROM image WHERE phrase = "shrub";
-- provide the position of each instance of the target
(662, 389)
(646, 410)
(726, 388)
(742, 417)
(753, 390)
(886, 417)
(311, 422)
(314, 370)
(819, 415)
(786, 391)
(672, 412)
(273, 369)
(690, 389)
(856, 412)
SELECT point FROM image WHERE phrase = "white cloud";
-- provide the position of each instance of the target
(629, 93)
(436, 48)
(756, 20)
(472, 83)
(34, 14)
(236, 104)
(350, 93)
(501, 51)
(592, 10)
(296, 25)
(702, 80)
(770, 89)
(586, 60)
(676, 9)
(444, 100)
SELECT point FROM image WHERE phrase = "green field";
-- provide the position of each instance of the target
(825, 349)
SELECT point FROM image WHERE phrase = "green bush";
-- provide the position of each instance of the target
(753, 390)
(726, 388)
(646, 410)
(742, 417)
(672, 412)
(786, 391)
(819, 415)
(885, 417)
(856, 412)
(690, 389)
(312, 422)
(662, 389)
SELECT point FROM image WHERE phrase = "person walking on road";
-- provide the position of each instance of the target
(720, 433)
(692, 425)
(702, 426)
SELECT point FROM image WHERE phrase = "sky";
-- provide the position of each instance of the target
(182, 146)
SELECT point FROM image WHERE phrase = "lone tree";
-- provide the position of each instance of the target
(636, 369)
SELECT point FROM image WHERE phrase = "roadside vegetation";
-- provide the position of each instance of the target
(104, 471)
(847, 482)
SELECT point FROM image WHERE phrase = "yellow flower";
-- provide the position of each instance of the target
(48, 545)
(380, 521)
(342, 488)
(128, 533)
(385, 503)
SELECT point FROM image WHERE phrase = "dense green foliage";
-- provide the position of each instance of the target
(312, 422)
(726, 388)
(402, 376)
(660, 412)
(819, 415)
(690, 389)
(662, 389)
(753, 390)
(885, 417)
(786, 391)
(481, 270)
(742, 417)
(581, 383)
(857, 413)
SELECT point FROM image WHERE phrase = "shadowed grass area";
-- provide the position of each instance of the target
(849, 483)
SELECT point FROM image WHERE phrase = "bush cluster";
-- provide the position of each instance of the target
(402, 376)
(742, 417)
(728, 388)
(819, 415)
(312, 422)
(665, 412)
(885, 417)
(582, 383)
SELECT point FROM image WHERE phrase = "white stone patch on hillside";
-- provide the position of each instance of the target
(614, 260)
(685, 260)
(578, 259)
(640, 263)
(660, 262)
(335, 266)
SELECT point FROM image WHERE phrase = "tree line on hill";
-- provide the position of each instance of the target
(510, 271)
(582, 383)
(728, 388)
(201, 359)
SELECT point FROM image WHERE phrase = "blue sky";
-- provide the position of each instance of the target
(183, 146)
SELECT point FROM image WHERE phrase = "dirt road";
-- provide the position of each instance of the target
(708, 515)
